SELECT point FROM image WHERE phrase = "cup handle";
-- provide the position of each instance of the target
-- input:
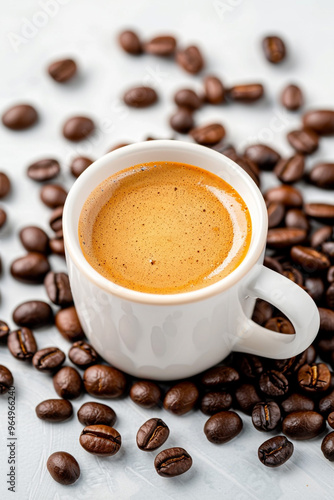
(294, 302)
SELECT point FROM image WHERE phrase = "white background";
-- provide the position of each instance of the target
(230, 33)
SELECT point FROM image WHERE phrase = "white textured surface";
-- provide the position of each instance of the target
(230, 32)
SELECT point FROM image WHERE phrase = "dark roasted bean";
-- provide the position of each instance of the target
(118, 146)
(172, 462)
(323, 212)
(129, 41)
(327, 446)
(219, 376)
(281, 325)
(68, 324)
(266, 416)
(56, 219)
(302, 425)
(285, 237)
(314, 378)
(5, 186)
(273, 264)
(82, 354)
(34, 239)
(62, 70)
(3, 217)
(311, 354)
(276, 212)
(273, 383)
(330, 296)
(31, 268)
(20, 117)
(321, 235)
(67, 383)
(4, 331)
(304, 141)
(315, 288)
(6, 379)
(262, 312)
(182, 121)
(214, 90)
(246, 397)
(297, 402)
(48, 359)
(287, 195)
(292, 97)
(321, 121)
(208, 135)
(33, 314)
(290, 170)
(190, 59)
(145, 393)
(63, 467)
(140, 97)
(93, 413)
(284, 365)
(54, 410)
(246, 93)
(161, 46)
(322, 175)
(326, 404)
(101, 440)
(79, 165)
(263, 156)
(103, 381)
(152, 434)
(222, 427)
(330, 275)
(330, 420)
(78, 128)
(297, 218)
(43, 170)
(181, 398)
(57, 287)
(187, 98)
(215, 402)
(22, 344)
(309, 259)
(53, 195)
(275, 451)
(249, 365)
(274, 49)
(57, 244)
(293, 274)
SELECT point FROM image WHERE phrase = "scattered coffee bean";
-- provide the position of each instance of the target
(22, 344)
(43, 170)
(296, 218)
(297, 402)
(54, 410)
(262, 312)
(181, 398)
(273, 264)
(4, 185)
(322, 175)
(118, 146)
(320, 236)
(4, 331)
(219, 376)
(68, 324)
(33, 314)
(263, 156)
(249, 365)
(77, 128)
(326, 404)
(56, 219)
(281, 325)
(48, 359)
(330, 420)
(293, 274)
(303, 141)
(63, 468)
(67, 383)
(172, 462)
(161, 46)
(214, 90)
(275, 451)
(314, 378)
(20, 117)
(215, 402)
(53, 195)
(302, 425)
(92, 413)
(34, 239)
(287, 195)
(140, 97)
(130, 43)
(100, 440)
(266, 416)
(145, 393)
(292, 97)
(222, 427)
(103, 381)
(6, 379)
(323, 212)
(31, 268)
(57, 287)
(152, 434)
(208, 135)
(246, 397)
(182, 121)
(321, 121)
(327, 446)
(62, 70)
(57, 244)
(187, 98)
(290, 170)
(247, 93)
(79, 165)
(3, 217)
(273, 383)
(315, 288)
(190, 59)
(82, 354)
(274, 49)
(310, 259)
(285, 237)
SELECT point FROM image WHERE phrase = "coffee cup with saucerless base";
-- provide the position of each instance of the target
(164, 245)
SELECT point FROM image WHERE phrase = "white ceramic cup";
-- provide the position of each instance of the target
(174, 336)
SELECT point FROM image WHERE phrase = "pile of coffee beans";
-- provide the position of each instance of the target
(293, 397)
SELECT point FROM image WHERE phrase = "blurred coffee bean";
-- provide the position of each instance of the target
(262, 155)
(56, 219)
(301, 425)
(330, 420)
(54, 410)
(103, 381)
(53, 195)
(77, 128)
(58, 288)
(79, 165)
(315, 288)
(208, 135)
(4, 331)
(246, 397)
(273, 264)
(182, 121)
(118, 146)
(82, 354)
(304, 141)
(172, 462)
(48, 359)
(321, 235)
(181, 398)
(287, 195)
(5, 185)
(247, 165)
(68, 324)
(145, 393)
(297, 402)
(322, 175)
(275, 451)
(323, 212)
(330, 275)
(290, 170)
(214, 90)
(190, 59)
(20, 117)
(187, 98)
(274, 49)
(328, 249)
(33, 314)
(219, 376)
(276, 212)
(22, 344)
(222, 427)
(293, 274)
(297, 218)
(285, 237)
(321, 121)
(215, 402)
(34, 239)
(63, 468)
(266, 416)
(130, 43)
(3, 217)
(280, 325)
(311, 354)
(152, 434)
(314, 378)
(292, 97)
(43, 170)
(31, 268)
(57, 244)
(326, 404)
(330, 296)
(62, 70)
(92, 413)
(6, 379)
(161, 46)
(309, 259)
(249, 365)
(246, 93)
(262, 312)
(140, 97)
(100, 440)
(67, 383)
(273, 383)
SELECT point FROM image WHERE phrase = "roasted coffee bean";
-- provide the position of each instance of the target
(4, 185)
(34, 239)
(53, 195)
(249, 167)
(285, 366)
(43, 170)
(323, 212)
(208, 135)
(152, 434)
(262, 312)
(330, 420)
(140, 97)
(22, 344)
(327, 446)
(330, 296)
(292, 97)
(62, 70)
(4, 331)
(222, 427)
(297, 402)
(262, 155)
(33, 314)
(280, 325)
(6, 379)
(187, 98)
(63, 468)
(130, 43)
(296, 218)
(275, 451)
(54, 410)
(101, 440)
(78, 128)
(330, 275)
(287, 195)
(326, 404)
(293, 274)
(246, 397)
(214, 90)
(274, 49)
(328, 248)
(67, 383)
(311, 354)
(266, 416)
(309, 259)
(321, 121)
(285, 237)
(161, 46)
(182, 121)
(322, 175)
(57, 287)
(172, 462)
(57, 244)
(273, 383)
(304, 141)
(56, 219)
(302, 425)
(145, 393)
(314, 378)
(315, 288)
(219, 376)
(325, 348)
(103, 381)
(249, 365)
(82, 354)
(48, 359)
(3, 217)
(20, 117)
(290, 170)
(247, 93)
(190, 59)
(273, 264)
(79, 165)
(31, 268)
(215, 402)
(181, 398)
(68, 324)
(320, 236)
(276, 212)
(92, 413)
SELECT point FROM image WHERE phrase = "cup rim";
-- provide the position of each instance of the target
(71, 239)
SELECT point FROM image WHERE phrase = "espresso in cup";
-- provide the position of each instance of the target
(164, 228)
